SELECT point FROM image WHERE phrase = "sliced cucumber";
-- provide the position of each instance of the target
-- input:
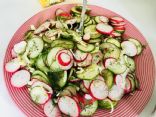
(38, 72)
(87, 19)
(89, 73)
(48, 40)
(88, 23)
(92, 30)
(76, 10)
(132, 84)
(67, 44)
(89, 110)
(41, 65)
(137, 44)
(55, 67)
(108, 76)
(51, 55)
(35, 46)
(40, 78)
(87, 48)
(105, 104)
(114, 41)
(97, 40)
(130, 63)
(110, 50)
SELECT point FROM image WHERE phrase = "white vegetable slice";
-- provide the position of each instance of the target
(103, 19)
(117, 19)
(129, 48)
(20, 78)
(120, 81)
(39, 95)
(104, 28)
(20, 47)
(69, 106)
(13, 65)
(51, 110)
(99, 89)
(86, 83)
(116, 93)
(42, 27)
(13, 53)
(108, 62)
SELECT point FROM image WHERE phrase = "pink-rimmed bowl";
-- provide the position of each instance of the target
(129, 106)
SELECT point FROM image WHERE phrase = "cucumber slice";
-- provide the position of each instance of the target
(137, 44)
(89, 73)
(89, 110)
(55, 66)
(40, 78)
(67, 44)
(51, 55)
(48, 40)
(117, 68)
(114, 41)
(132, 84)
(108, 76)
(110, 50)
(92, 30)
(130, 63)
(38, 72)
(76, 10)
(86, 19)
(105, 104)
(87, 48)
(97, 40)
(88, 23)
(41, 65)
(35, 46)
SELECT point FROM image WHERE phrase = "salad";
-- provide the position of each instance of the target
(74, 74)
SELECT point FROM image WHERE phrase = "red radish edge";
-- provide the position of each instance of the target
(86, 85)
(62, 61)
(127, 90)
(77, 60)
(117, 20)
(104, 28)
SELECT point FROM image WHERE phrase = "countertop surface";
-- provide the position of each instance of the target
(142, 13)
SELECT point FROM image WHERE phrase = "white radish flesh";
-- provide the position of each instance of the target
(104, 28)
(117, 19)
(51, 110)
(20, 47)
(13, 54)
(13, 65)
(99, 89)
(129, 48)
(69, 106)
(20, 78)
(120, 81)
(103, 19)
(108, 62)
(116, 93)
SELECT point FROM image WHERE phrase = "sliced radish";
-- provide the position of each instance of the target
(100, 78)
(80, 56)
(20, 78)
(13, 54)
(99, 89)
(103, 19)
(64, 59)
(109, 61)
(129, 48)
(117, 19)
(20, 47)
(119, 28)
(86, 83)
(128, 86)
(86, 37)
(51, 110)
(118, 24)
(13, 65)
(120, 81)
(58, 11)
(39, 95)
(86, 62)
(44, 85)
(115, 34)
(88, 99)
(66, 67)
(116, 93)
(69, 106)
(104, 28)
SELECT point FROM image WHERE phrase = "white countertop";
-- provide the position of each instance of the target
(142, 13)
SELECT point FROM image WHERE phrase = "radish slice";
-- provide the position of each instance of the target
(13, 65)
(115, 34)
(99, 89)
(117, 19)
(69, 106)
(108, 62)
(42, 27)
(86, 83)
(42, 84)
(100, 78)
(118, 24)
(129, 48)
(88, 99)
(116, 93)
(20, 78)
(51, 110)
(20, 47)
(128, 86)
(64, 59)
(86, 37)
(39, 95)
(103, 19)
(120, 81)
(104, 28)
(13, 54)
(86, 62)
(59, 11)
(80, 56)
(119, 28)
(66, 67)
